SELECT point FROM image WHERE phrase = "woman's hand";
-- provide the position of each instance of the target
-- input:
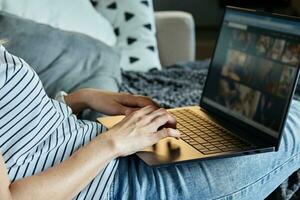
(108, 103)
(141, 129)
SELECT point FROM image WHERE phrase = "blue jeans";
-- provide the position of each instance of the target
(245, 177)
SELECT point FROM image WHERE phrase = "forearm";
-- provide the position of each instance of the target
(67, 179)
(105, 102)
(83, 99)
(77, 101)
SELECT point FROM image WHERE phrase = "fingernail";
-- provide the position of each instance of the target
(179, 133)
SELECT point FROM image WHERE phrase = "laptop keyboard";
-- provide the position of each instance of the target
(205, 135)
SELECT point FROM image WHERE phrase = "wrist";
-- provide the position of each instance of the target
(77, 100)
(112, 144)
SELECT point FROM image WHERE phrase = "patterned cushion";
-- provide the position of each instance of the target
(134, 25)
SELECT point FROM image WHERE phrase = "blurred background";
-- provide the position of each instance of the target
(208, 15)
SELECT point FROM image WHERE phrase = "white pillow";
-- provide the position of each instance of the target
(134, 25)
(71, 15)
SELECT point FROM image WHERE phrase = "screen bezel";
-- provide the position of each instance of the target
(235, 121)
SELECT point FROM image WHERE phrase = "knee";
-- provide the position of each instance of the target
(290, 142)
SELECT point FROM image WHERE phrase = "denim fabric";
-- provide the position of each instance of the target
(245, 177)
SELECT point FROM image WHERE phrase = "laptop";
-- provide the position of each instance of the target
(249, 87)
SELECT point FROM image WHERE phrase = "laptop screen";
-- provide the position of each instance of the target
(254, 69)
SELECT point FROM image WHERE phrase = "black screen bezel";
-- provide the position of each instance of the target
(235, 121)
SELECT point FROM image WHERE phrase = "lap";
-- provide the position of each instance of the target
(245, 177)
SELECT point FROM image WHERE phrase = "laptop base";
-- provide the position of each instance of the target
(171, 150)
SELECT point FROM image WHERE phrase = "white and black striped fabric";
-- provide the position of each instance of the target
(37, 132)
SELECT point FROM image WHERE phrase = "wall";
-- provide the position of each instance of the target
(206, 12)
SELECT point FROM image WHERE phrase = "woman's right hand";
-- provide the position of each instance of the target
(140, 130)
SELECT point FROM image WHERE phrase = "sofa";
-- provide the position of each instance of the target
(180, 45)
(173, 49)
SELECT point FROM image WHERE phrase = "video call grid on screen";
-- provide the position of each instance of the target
(254, 68)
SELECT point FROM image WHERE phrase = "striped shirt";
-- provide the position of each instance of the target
(37, 132)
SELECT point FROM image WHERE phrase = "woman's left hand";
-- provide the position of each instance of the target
(108, 103)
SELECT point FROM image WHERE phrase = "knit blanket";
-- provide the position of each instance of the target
(174, 86)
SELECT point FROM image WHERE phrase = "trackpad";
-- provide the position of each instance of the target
(169, 150)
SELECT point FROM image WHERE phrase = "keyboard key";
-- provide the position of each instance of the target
(205, 135)
(211, 152)
(193, 143)
(199, 147)
(185, 137)
(213, 148)
(200, 140)
(194, 136)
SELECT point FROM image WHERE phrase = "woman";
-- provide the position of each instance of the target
(38, 133)
(47, 153)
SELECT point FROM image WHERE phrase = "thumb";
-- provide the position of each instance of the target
(167, 132)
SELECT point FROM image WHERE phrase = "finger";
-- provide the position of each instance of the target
(166, 132)
(160, 121)
(119, 109)
(172, 123)
(141, 112)
(144, 101)
(150, 117)
(136, 101)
